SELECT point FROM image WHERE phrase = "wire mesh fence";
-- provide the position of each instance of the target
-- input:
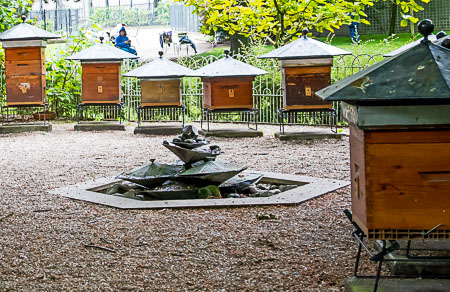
(267, 92)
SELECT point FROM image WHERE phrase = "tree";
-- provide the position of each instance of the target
(11, 12)
(280, 21)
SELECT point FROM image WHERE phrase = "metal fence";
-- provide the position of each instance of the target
(67, 20)
(267, 91)
(137, 15)
(182, 18)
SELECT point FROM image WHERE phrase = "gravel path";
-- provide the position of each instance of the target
(49, 243)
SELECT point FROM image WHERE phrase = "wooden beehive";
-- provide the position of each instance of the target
(228, 93)
(24, 47)
(306, 68)
(160, 82)
(101, 73)
(25, 76)
(398, 112)
(101, 83)
(401, 182)
(160, 93)
(301, 80)
(228, 84)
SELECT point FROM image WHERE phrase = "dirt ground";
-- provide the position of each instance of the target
(45, 239)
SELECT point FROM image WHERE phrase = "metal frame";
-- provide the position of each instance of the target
(141, 108)
(81, 107)
(282, 112)
(249, 112)
(379, 257)
(44, 106)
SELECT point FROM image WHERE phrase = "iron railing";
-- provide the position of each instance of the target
(267, 91)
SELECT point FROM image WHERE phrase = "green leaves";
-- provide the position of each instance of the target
(280, 21)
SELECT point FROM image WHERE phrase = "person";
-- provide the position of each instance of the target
(354, 32)
(184, 39)
(123, 43)
(117, 28)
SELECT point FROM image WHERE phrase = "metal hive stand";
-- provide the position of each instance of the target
(206, 112)
(82, 106)
(386, 249)
(282, 113)
(140, 108)
(44, 106)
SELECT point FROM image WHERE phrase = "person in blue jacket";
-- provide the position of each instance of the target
(123, 43)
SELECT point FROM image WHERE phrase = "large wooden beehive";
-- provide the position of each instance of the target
(101, 73)
(25, 70)
(301, 80)
(228, 93)
(306, 68)
(398, 112)
(101, 83)
(228, 83)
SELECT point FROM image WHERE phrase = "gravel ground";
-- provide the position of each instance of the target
(46, 240)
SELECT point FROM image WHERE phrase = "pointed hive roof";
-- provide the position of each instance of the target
(228, 67)
(160, 68)
(305, 48)
(25, 31)
(102, 52)
(420, 73)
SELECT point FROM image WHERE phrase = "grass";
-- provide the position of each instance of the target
(370, 44)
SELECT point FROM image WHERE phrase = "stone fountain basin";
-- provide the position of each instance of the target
(308, 188)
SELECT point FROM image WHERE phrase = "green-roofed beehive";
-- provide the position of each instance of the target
(399, 117)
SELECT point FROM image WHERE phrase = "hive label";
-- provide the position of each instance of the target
(231, 92)
(100, 89)
(308, 91)
(24, 87)
(160, 87)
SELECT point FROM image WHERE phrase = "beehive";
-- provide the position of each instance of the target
(398, 112)
(160, 82)
(306, 68)
(101, 73)
(228, 83)
(25, 70)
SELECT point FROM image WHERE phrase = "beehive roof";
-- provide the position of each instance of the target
(160, 68)
(420, 73)
(305, 48)
(228, 67)
(102, 52)
(25, 31)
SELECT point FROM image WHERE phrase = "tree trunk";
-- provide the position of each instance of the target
(238, 42)
(393, 19)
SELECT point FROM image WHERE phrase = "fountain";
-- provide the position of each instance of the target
(199, 174)
(198, 179)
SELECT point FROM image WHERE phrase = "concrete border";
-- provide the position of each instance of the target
(311, 188)
(159, 130)
(354, 284)
(22, 128)
(314, 135)
(99, 126)
(232, 133)
(399, 264)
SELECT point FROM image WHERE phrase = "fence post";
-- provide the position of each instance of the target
(45, 20)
